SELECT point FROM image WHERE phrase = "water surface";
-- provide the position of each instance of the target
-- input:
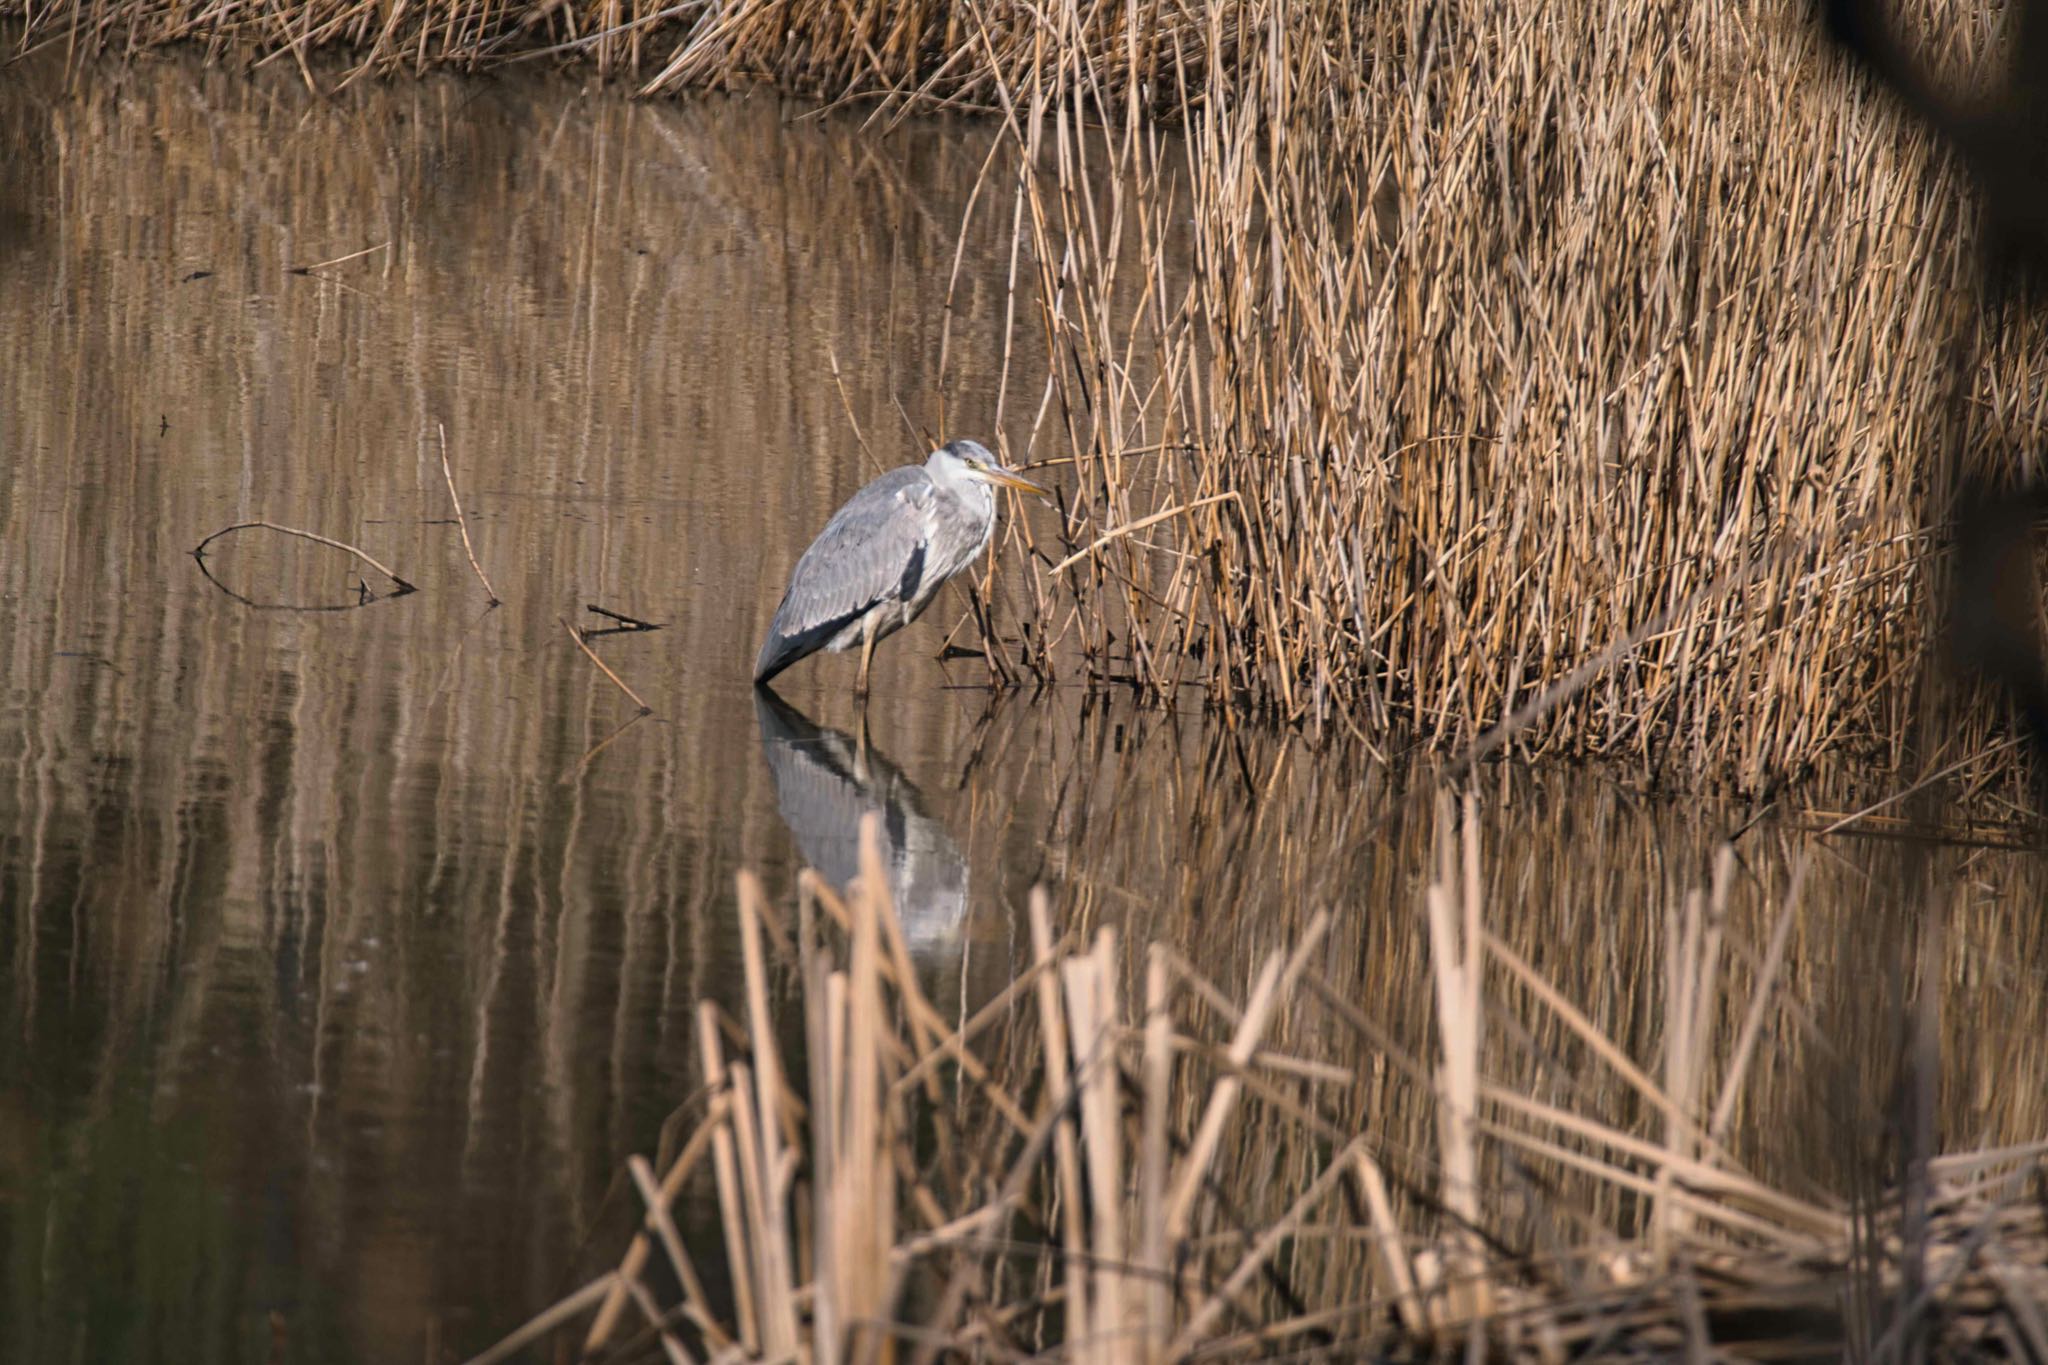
(349, 951)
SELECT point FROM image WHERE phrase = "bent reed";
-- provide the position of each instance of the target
(1580, 383)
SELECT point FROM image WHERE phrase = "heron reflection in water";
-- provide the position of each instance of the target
(825, 781)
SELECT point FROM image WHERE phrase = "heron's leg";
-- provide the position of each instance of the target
(867, 650)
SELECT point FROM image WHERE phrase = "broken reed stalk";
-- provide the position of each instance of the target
(1456, 954)
(461, 521)
(1138, 525)
(1176, 1194)
(1690, 970)
(603, 667)
(1058, 1088)
(547, 1320)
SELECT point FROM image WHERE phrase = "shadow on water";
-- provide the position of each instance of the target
(344, 958)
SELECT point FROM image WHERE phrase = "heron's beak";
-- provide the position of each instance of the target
(996, 474)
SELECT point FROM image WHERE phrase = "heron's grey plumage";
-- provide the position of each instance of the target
(883, 556)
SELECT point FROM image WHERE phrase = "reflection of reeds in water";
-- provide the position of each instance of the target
(313, 888)
(1139, 1214)
(1262, 823)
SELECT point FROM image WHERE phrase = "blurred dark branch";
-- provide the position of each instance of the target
(2000, 137)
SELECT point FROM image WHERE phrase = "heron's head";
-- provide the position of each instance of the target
(971, 460)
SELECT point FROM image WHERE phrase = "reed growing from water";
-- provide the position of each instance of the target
(1582, 386)
(1588, 383)
(1086, 1168)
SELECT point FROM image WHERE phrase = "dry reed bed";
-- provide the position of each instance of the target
(1055, 1187)
(922, 54)
(1591, 386)
(1588, 384)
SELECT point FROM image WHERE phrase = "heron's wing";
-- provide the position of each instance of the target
(876, 547)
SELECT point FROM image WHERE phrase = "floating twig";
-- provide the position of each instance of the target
(338, 260)
(627, 625)
(603, 667)
(357, 551)
(462, 521)
(364, 595)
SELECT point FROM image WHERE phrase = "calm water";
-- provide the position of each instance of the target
(349, 952)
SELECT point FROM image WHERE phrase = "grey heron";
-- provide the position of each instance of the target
(884, 554)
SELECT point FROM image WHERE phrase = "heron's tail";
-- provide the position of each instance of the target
(778, 652)
(788, 641)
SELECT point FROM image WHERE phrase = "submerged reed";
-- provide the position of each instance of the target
(1086, 1181)
(1590, 385)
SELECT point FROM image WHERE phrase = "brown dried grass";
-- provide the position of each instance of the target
(1584, 387)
